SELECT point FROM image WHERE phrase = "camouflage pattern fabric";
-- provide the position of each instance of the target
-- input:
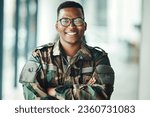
(86, 76)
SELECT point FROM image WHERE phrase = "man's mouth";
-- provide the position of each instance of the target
(71, 33)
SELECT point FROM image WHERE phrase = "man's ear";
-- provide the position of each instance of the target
(56, 26)
(85, 25)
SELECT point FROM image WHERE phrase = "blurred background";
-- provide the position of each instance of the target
(120, 27)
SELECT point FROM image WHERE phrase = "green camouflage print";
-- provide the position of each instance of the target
(86, 76)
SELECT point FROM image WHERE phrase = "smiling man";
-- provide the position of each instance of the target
(68, 69)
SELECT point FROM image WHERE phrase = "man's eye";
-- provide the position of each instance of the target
(78, 21)
(65, 21)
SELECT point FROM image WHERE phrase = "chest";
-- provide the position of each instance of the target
(75, 71)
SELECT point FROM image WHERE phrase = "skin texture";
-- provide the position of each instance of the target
(70, 36)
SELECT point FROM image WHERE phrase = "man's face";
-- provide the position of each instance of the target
(72, 33)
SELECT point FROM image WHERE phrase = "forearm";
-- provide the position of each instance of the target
(33, 92)
(100, 86)
(79, 92)
(91, 92)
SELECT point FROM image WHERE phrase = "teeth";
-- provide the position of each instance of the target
(71, 33)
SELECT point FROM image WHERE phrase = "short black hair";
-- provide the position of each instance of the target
(68, 4)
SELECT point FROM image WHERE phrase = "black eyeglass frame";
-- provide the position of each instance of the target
(71, 21)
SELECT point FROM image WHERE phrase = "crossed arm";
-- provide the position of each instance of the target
(100, 86)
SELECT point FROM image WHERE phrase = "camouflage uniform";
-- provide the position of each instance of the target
(86, 76)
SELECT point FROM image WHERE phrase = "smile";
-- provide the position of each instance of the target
(71, 33)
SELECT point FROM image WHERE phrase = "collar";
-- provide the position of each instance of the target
(56, 49)
(84, 52)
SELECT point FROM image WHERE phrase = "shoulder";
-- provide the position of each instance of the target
(99, 55)
(43, 49)
(45, 46)
(97, 51)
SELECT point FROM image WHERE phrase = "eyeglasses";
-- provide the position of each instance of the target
(76, 21)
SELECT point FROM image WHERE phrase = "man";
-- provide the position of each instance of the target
(68, 69)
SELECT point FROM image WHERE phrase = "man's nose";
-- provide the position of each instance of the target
(72, 24)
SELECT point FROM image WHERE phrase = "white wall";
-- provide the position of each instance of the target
(144, 83)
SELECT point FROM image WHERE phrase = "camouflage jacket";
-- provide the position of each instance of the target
(86, 76)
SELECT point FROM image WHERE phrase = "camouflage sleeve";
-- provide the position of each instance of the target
(103, 75)
(101, 84)
(31, 88)
(99, 87)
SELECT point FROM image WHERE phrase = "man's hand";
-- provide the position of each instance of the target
(51, 92)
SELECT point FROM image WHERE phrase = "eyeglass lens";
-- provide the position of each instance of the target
(67, 21)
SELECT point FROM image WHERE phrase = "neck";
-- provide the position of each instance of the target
(71, 49)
